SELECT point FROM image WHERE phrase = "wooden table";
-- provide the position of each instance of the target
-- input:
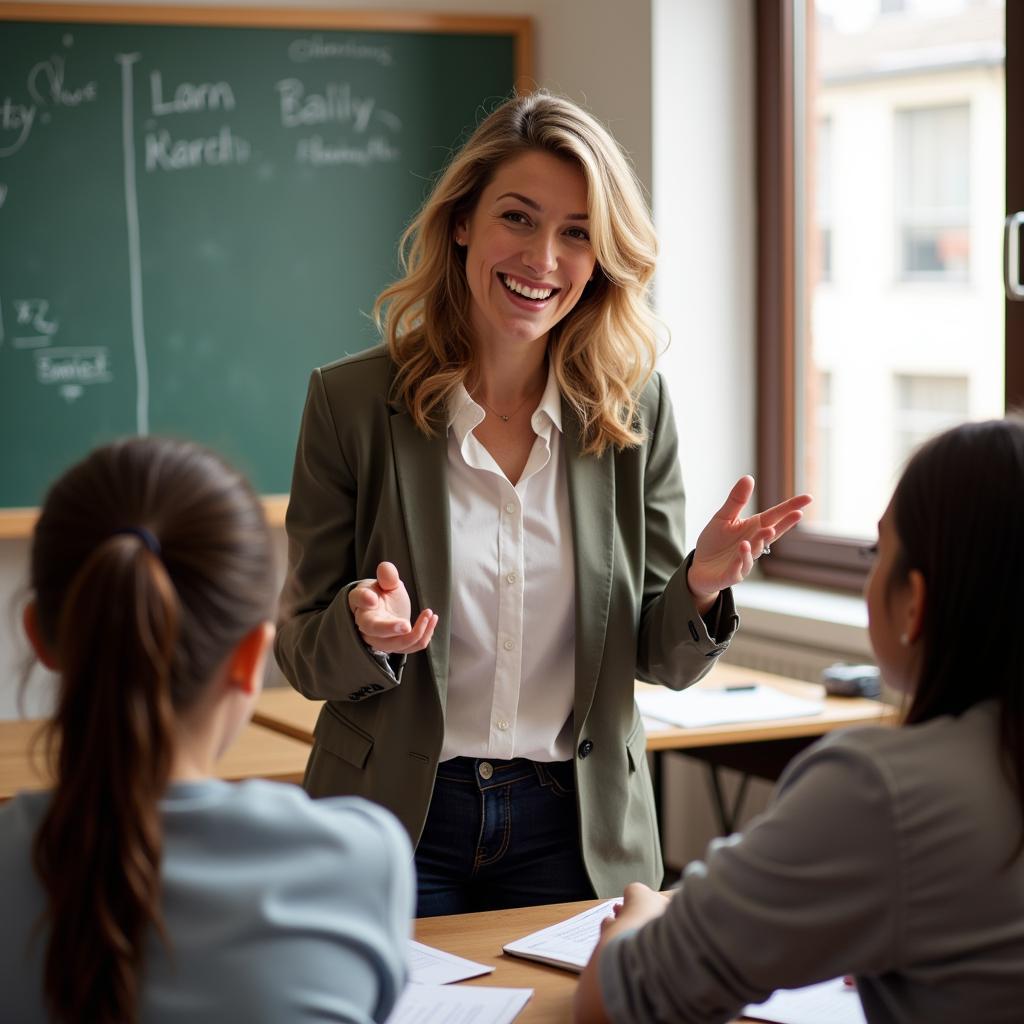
(480, 937)
(287, 711)
(257, 753)
(760, 749)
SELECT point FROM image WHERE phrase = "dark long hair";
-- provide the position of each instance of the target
(138, 623)
(959, 515)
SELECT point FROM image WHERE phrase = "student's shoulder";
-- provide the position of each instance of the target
(352, 824)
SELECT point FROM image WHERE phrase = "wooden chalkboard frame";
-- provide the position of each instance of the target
(19, 522)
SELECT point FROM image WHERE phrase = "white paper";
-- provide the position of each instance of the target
(830, 1002)
(569, 943)
(465, 1004)
(697, 707)
(429, 966)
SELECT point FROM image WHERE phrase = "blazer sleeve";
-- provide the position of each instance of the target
(675, 645)
(811, 891)
(318, 646)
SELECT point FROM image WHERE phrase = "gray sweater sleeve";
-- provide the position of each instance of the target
(806, 894)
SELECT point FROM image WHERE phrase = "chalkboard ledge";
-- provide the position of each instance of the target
(17, 523)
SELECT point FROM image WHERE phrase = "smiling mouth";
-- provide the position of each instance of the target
(525, 291)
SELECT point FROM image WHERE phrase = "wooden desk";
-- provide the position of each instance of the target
(759, 749)
(257, 753)
(287, 711)
(480, 937)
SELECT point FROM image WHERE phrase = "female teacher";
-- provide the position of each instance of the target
(486, 530)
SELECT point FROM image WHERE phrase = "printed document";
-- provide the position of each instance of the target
(467, 1004)
(697, 706)
(830, 1002)
(429, 966)
(567, 944)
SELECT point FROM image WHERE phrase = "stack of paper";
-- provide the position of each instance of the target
(697, 706)
(429, 966)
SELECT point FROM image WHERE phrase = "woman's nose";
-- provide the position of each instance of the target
(541, 255)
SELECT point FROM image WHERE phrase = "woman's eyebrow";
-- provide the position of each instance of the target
(534, 205)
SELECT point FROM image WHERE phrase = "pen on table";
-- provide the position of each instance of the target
(745, 688)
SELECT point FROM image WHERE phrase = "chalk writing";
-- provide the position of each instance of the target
(189, 98)
(317, 153)
(337, 103)
(46, 84)
(164, 153)
(318, 48)
(16, 119)
(32, 325)
(73, 366)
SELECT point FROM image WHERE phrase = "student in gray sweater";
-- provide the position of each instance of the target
(140, 889)
(894, 855)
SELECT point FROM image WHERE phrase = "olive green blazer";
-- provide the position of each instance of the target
(368, 486)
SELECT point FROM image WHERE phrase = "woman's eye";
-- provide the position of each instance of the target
(581, 233)
(515, 217)
(870, 551)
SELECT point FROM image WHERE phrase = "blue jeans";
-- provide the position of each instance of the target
(500, 834)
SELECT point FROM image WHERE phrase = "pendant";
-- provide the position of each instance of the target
(504, 419)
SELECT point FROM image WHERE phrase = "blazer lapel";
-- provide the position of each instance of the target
(422, 467)
(591, 484)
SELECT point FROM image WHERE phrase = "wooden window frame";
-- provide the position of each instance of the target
(806, 555)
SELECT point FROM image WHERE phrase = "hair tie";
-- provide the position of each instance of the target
(147, 538)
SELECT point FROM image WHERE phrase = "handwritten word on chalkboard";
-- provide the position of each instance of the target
(193, 215)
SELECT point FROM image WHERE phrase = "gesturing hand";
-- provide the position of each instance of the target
(381, 610)
(728, 546)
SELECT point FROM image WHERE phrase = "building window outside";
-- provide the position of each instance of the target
(932, 173)
(926, 405)
(885, 247)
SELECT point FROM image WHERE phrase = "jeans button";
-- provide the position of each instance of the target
(486, 769)
(585, 748)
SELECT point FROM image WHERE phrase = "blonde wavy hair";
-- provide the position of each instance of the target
(603, 351)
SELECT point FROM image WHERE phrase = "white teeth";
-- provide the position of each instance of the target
(529, 293)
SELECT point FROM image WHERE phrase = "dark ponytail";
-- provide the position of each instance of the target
(150, 561)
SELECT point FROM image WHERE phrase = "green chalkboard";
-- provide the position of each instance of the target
(193, 215)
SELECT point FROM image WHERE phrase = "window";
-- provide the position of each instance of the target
(933, 199)
(883, 146)
(926, 405)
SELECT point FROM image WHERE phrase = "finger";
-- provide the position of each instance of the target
(362, 597)
(419, 637)
(387, 577)
(738, 498)
(381, 624)
(772, 515)
(787, 523)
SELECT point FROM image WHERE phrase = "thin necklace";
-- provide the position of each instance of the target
(504, 419)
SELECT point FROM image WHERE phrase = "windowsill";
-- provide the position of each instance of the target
(808, 616)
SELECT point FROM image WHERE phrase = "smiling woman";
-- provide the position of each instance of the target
(509, 454)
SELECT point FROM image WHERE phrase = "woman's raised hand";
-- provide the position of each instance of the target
(381, 610)
(729, 545)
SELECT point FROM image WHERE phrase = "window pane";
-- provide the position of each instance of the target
(902, 163)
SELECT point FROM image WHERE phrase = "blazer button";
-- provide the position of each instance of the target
(585, 748)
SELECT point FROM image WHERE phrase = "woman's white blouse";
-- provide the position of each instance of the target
(511, 676)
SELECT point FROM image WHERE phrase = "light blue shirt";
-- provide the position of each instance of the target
(278, 908)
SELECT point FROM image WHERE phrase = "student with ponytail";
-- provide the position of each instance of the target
(141, 889)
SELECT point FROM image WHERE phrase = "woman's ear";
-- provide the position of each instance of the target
(30, 620)
(913, 612)
(246, 664)
(461, 233)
